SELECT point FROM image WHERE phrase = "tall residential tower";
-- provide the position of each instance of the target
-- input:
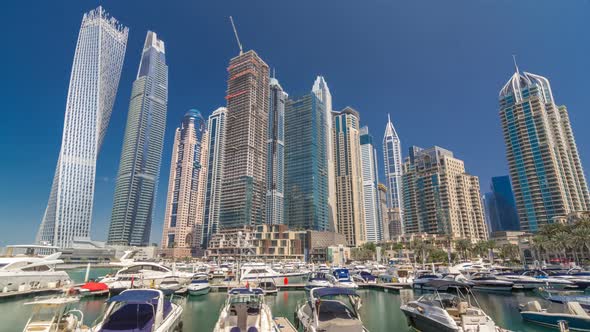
(139, 168)
(94, 81)
(392, 158)
(373, 223)
(275, 172)
(349, 180)
(543, 159)
(184, 205)
(243, 193)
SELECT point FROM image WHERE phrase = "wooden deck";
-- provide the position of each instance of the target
(285, 325)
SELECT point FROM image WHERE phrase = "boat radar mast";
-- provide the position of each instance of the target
(236, 33)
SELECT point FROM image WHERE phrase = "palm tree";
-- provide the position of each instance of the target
(510, 252)
(463, 246)
(491, 245)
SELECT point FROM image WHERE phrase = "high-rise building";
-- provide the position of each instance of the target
(543, 159)
(392, 158)
(243, 193)
(382, 192)
(349, 181)
(373, 223)
(500, 206)
(216, 126)
(306, 164)
(186, 193)
(321, 90)
(139, 168)
(275, 169)
(94, 81)
(440, 197)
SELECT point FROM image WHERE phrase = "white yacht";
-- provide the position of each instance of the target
(257, 272)
(20, 272)
(245, 310)
(144, 274)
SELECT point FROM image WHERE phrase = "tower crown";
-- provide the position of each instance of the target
(520, 81)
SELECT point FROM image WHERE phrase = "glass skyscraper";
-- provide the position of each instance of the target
(500, 206)
(392, 159)
(275, 171)
(139, 168)
(373, 223)
(216, 126)
(94, 81)
(306, 164)
(545, 167)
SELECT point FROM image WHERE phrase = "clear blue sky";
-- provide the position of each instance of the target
(436, 66)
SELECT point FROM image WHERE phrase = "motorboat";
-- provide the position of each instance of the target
(399, 273)
(144, 274)
(550, 281)
(364, 277)
(199, 285)
(424, 278)
(21, 272)
(140, 310)
(489, 282)
(325, 310)
(92, 288)
(520, 281)
(573, 314)
(258, 272)
(378, 269)
(343, 279)
(319, 279)
(565, 296)
(268, 286)
(245, 311)
(579, 277)
(55, 314)
(170, 285)
(446, 312)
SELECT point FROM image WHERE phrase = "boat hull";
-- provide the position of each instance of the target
(197, 292)
(424, 324)
(549, 319)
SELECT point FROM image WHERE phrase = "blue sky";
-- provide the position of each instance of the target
(435, 66)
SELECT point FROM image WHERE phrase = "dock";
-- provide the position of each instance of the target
(284, 325)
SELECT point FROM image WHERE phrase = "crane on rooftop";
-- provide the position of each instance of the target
(236, 33)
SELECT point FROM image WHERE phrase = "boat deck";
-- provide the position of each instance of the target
(285, 325)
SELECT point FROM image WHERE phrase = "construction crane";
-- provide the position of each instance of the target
(236, 33)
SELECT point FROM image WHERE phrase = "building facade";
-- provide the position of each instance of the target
(216, 126)
(440, 197)
(373, 223)
(94, 81)
(500, 206)
(543, 159)
(275, 164)
(349, 181)
(243, 193)
(306, 164)
(321, 90)
(392, 159)
(382, 192)
(185, 201)
(139, 167)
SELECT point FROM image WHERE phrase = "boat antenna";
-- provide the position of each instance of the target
(236, 33)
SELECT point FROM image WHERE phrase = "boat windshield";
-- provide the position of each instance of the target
(443, 300)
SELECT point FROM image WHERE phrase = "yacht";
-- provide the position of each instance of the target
(268, 286)
(445, 312)
(489, 282)
(144, 274)
(520, 281)
(548, 280)
(572, 313)
(199, 285)
(423, 278)
(245, 310)
(140, 310)
(319, 279)
(26, 271)
(55, 314)
(170, 285)
(324, 311)
(364, 277)
(343, 279)
(253, 273)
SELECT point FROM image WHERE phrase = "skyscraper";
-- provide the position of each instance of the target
(373, 223)
(349, 181)
(440, 197)
(94, 81)
(243, 196)
(385, 224)
(545, 167)
(392, 158)
(216, 129)
(139, 168)
(500, 206)
(306, 164)
(275, 154)
(186, 192)
(321, 90)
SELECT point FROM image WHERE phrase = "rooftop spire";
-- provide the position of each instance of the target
(515, 64)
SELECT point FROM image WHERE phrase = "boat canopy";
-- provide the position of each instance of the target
(332, 291)
(439, 283)
(136, 296)
(255, 291)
